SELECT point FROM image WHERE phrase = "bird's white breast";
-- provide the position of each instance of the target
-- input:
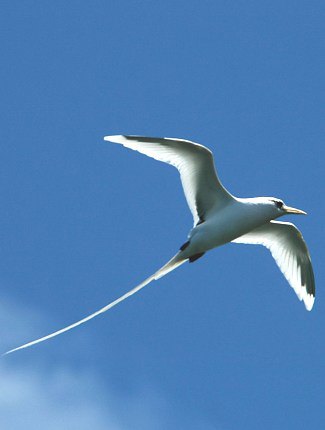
(233, 220)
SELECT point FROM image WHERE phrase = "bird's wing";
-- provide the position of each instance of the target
(172, 264)
(290, 252)
(201, 185)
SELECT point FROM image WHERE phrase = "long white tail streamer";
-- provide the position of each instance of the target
(168, 267)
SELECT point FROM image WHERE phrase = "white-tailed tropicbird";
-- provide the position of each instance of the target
(219, 218)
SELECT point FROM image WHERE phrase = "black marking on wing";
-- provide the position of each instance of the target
(184, 246)
(196, 257)
(201, 221)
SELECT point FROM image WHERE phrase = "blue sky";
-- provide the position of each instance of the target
(220, 344)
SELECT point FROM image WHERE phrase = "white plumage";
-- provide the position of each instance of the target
(290, 252)
(220, 218)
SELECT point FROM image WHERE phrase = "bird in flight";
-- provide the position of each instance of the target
(219, 218)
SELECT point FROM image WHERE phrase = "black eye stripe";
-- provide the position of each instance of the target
(278, 203)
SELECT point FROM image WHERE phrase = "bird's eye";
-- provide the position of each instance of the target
(278, 203)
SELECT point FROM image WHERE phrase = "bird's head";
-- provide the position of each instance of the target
(282, 209)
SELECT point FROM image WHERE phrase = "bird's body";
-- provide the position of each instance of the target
(220, 218)
(236, 218)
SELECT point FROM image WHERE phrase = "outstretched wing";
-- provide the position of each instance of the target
(201, 185)
(290, 252)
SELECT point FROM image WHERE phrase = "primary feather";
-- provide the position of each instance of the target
(202, 187)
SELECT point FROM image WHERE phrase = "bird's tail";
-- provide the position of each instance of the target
(176, 261)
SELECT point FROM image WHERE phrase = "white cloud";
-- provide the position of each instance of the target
(33, 397)
(65, 399)
(29, 400)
